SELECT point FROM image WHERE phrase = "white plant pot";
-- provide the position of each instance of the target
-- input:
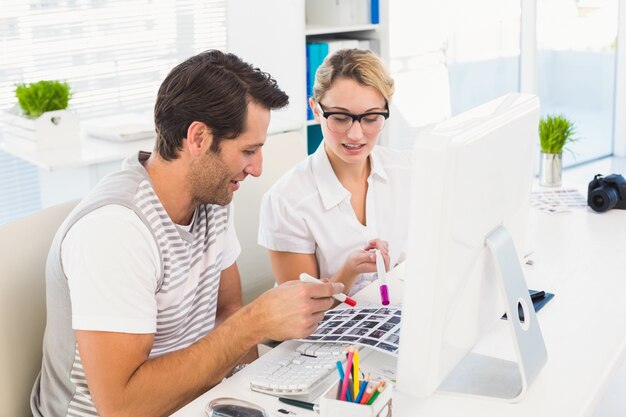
(53, 129)
(550, 169)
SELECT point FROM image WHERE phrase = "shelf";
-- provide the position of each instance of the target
(91, 151)
(329, 30)
(330, 25)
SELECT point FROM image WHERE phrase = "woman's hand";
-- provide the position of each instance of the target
(364, 260)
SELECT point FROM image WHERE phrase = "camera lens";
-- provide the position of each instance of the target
(603, 199)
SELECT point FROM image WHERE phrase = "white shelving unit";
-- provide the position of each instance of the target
(376, 32)
(272, 35)
(327, 30)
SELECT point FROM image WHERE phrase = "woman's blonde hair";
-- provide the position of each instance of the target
(362, 66)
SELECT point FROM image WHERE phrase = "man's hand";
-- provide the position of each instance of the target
(292, 310)
(125, 381)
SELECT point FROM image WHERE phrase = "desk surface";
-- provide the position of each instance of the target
(576, 255)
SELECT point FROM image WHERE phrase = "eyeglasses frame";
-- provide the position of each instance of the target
(354, 117)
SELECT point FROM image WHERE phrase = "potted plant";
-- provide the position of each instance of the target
(555, 132)
(41, 116)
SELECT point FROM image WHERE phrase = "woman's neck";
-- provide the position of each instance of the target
(349, 174)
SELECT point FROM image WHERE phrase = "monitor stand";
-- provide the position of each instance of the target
(494, 378)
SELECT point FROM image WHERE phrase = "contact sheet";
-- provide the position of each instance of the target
(371, 326)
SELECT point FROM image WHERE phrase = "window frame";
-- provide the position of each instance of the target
(529, 68)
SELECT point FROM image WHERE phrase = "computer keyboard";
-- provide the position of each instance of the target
(303, 374)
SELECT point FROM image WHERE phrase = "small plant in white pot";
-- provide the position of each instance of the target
(555, 132)
(41, 115)
(44, 96)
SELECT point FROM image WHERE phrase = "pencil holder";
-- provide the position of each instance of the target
(330, 406)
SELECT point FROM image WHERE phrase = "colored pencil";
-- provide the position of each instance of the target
(346, 375)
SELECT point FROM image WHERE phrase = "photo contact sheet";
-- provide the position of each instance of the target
(371, 326)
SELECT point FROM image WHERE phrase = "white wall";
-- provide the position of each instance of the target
(281, 152)
(270, 34)
(417, 42)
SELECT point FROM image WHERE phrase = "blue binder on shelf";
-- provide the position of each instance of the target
(375, 11)
(316, 53)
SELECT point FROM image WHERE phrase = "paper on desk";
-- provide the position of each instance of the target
(370, 326)
(557, 200)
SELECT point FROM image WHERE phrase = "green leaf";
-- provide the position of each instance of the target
(555, 131)
(37, 98)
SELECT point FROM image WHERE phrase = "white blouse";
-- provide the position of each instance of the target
(309, 211)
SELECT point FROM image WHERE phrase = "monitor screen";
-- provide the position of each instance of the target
(473, 174)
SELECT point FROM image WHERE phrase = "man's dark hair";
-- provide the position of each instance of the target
(213, 88)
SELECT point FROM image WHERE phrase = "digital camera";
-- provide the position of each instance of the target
(608, 192)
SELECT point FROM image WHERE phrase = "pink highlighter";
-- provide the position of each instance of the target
(341, 297)
(382, 277)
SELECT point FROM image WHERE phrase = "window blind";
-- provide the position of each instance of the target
(19, 189)
(113, 53)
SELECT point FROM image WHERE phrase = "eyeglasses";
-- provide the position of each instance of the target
(341, 122)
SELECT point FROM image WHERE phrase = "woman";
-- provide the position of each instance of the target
(327, 214)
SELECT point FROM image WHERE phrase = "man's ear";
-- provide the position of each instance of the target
(199, 138)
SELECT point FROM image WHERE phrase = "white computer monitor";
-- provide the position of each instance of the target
(470, 197)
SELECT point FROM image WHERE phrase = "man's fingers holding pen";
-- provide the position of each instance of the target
(330, 288)
(293, 309)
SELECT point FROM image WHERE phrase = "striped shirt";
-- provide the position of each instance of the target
(176, 301)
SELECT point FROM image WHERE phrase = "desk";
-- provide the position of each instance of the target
(70, 172)
(579, 257)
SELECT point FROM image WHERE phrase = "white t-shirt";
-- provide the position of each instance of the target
(309, 211)
(113, 284)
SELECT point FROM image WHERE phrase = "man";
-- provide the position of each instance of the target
(143, 292)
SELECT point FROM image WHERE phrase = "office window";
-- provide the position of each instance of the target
(576, 45)
(19, 188)
(113, 53)
(483, 51)
(417, 41)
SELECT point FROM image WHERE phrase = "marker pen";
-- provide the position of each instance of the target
(301, 404)
(341, 297)
(382, 277)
